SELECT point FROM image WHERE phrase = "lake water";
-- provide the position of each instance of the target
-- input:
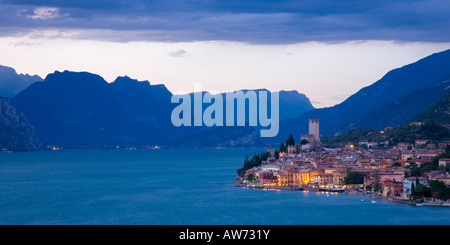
(172, 187)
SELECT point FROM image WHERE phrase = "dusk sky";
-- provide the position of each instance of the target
(325, 49)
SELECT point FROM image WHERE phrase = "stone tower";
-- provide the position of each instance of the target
(314, 129)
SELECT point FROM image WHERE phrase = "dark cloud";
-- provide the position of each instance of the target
(262, 21)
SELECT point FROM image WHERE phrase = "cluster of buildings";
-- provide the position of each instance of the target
(313, 167)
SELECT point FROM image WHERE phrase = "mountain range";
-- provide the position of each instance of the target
(438, 113)
(378, 101)
(75, 109)
(401, 110)
(81, 109)
(431, 125)
(12, 83)
(16, 133)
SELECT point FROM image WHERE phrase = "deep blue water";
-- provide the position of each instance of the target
(186, 187)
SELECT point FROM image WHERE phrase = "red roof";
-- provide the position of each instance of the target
(388, 182)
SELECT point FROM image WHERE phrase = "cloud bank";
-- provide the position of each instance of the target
(272, 22)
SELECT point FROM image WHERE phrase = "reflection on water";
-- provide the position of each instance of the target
(172, 187)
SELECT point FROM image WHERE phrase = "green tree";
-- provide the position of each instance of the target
(439, 190)
(416, 171)
(413, 190)
(251, 178)
(406, 175)
(290, 141)
(282, 147)
(377, 187)
(304, 142)
(354, 178)
(422, 191)
(256, 160)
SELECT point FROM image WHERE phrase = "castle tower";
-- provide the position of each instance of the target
(314, 129)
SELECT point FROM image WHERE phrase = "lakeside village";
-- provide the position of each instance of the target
(408, 173)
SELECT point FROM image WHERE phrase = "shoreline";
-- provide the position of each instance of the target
(438, 203)
(346, 192)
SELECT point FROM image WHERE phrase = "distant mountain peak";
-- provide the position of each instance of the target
(12, 83)
(291, 92)
(9, 71)
(71, 77)
(127, 80)
(4, 69)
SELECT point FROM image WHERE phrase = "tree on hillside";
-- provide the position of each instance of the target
(290, 141)
(282, 147)
(256, 160)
